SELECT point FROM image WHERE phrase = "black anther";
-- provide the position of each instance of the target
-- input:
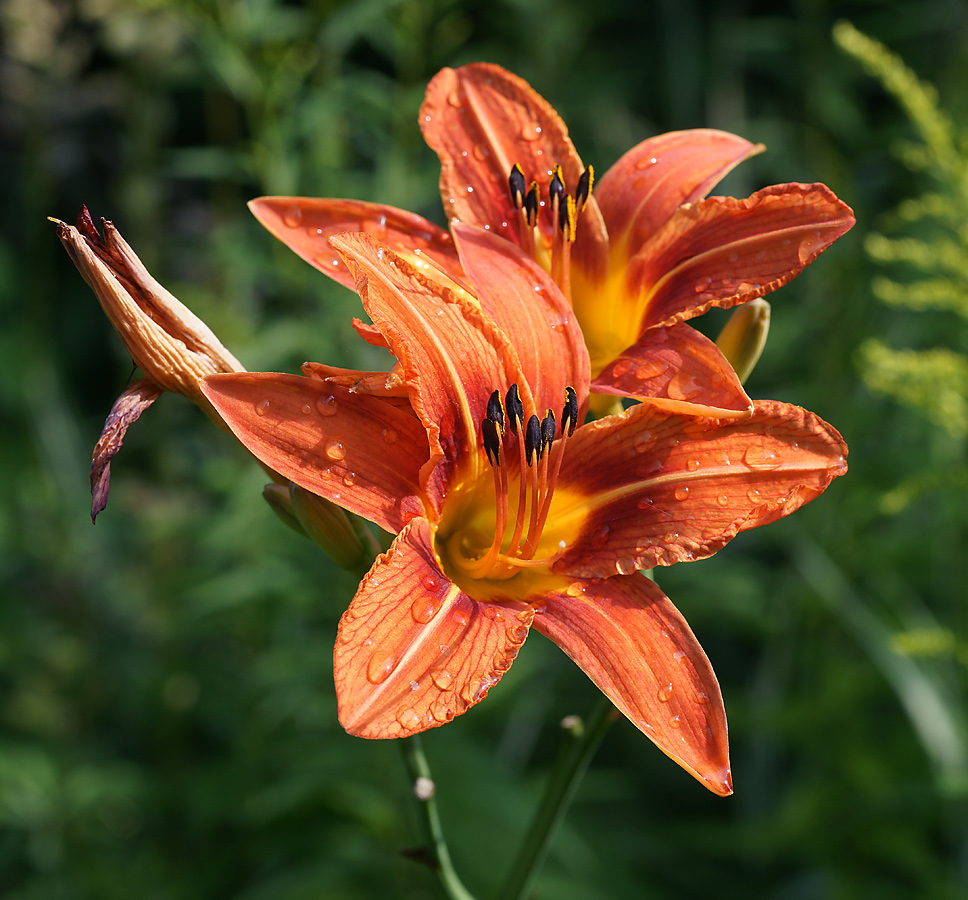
(532, 441)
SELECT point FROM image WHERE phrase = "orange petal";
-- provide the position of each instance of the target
(452, 355)
(529, 308)
(657, 487)
(481, 120)
(304, 224)
(385, 385)
(358, 452)
(676, 363)
(645, 187)
(626, 635)
(370, 333)
(413, 650)
(723, 251)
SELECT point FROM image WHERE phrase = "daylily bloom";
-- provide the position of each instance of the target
(637, 252)
(508, 513)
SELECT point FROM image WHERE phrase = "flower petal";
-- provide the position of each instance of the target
(529, 308)
(304, 225)
(355, 450)
(626, 635)
(722, 251)
(677, 363)
(450, 352)
(656, 487)
(644, 188)
(481, 120)
(413, 650)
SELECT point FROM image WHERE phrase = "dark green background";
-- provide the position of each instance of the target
(167, 721)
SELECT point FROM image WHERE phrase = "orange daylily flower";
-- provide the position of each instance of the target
(508, 517)
(637, 252)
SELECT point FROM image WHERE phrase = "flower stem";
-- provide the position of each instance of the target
(559, 792)
(424, 790)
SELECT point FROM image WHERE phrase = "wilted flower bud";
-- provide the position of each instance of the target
(172, 346)
(346, 541)
(744, 336)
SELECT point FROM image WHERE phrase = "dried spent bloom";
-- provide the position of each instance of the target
(508, 512)
(167, 341)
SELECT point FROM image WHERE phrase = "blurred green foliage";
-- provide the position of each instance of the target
(167, 719)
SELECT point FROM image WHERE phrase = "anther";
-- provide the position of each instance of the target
(495, 413)
(515, 408)
(548, 429)
(516, 185)
(531, 204)
(492, 442)
(566, 219)
(569, 415)
(556, 190)
(584, 189)
(532, 441)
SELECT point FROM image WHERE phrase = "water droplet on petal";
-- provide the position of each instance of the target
(334, 449)
(380, 666)
(761, 458)
(665, 693)
(647, 370)
(625, 565)
(599, 538)
(621, 368)
(517, 633)
(262, 407)
(306, 409)
(349, 479)
(389, 436)
(702, 697)
(754, 496)
(682, 386)
(292, 217)
(681, 492)
(642, 441)
(442, 678)
(408, 718)
(424, 609)
(723, 500)
(493, 613)
(326, 405)
(454, 99)
(692, 465)
(531, 132)
(674, 722)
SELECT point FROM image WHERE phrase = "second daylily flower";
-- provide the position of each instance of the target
(637, 253)
(508, 513)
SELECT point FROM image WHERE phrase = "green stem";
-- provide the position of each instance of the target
(559, 792)
(423, 788)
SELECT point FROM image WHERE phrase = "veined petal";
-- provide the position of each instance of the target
(523, 299)
(304, 225)
(722, 251)
(655, 488)
(626, 635)
(451, 354)
(385, 385)
(358, 452)
(481, 120)
(413, 650)
(676, 363)
(645, 187)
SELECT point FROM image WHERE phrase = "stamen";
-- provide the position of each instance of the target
(492, 441)
(516, 185)
(584, 189)
(569, 415)
(556, 190)
(515, 408)
(495, 412)
(532, 203)
(532, 441)
(548, 429)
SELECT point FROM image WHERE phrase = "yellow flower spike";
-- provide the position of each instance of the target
(744, 336)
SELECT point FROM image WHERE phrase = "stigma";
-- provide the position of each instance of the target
(525, 454)
(564, 209)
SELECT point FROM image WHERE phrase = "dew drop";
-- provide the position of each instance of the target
(692, 465)
(493, 613)
(430, 582)
(761, 458)
(380, 666)
(454, 99)
(702, 698)
(306, 409)
(621, 367)
(723, 500)
(702, 284)
(349, 479)
(292, 217)
(625, 565)
(424, 609)
(334, 449)
(665, 693)
(442, 678)
(599, 538)
(389, 436)
(682, 386)
(681, 492)
(809, 247)
(648, 370)
(480, 153)
(326, 405)
(754, 495)
(408, 718)
(531, 132)
(517, 633)
(642, 441)
(262, 407)
(674, 722)
(678, 655)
